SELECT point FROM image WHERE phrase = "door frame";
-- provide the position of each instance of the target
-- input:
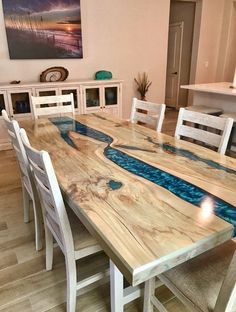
(195, 46)
(181, 26)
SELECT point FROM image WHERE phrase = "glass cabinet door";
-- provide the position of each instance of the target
(111, 95)
(46, 92)
(3, 103)
(92, 97)
(20, 102)
(74, 92)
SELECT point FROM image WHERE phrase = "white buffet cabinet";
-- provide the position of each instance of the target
(89, 96)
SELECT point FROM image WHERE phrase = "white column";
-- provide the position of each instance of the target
(234, 81)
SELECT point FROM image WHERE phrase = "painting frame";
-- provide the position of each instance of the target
(43, 29)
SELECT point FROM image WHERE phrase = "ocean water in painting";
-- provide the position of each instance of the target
(43, 29)
(181, 188)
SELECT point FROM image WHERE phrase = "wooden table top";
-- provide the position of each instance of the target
(149, 199)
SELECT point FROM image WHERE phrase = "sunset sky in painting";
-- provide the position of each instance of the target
(49, 14)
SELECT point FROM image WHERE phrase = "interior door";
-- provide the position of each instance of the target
(174, 64)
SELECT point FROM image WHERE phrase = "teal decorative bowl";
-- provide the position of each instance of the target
(103, 75)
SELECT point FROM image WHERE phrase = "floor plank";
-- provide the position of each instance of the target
(7, 259)
(23, 305)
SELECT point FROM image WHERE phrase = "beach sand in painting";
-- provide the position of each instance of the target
(41, 30)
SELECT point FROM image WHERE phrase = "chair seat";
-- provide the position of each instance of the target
(205, 109)
(229, 115)
(199, 279)
(82, 238)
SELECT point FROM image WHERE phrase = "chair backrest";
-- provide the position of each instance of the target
(51, 199)
(222, 125)
(13, 131)
(52, 105)
(149, 113)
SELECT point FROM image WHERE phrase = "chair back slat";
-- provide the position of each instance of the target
(153, 116)
(40, 174)
(50, 195)
(52, 105)
(45, 195)
(21, 162)
(189, 130)
(55, 230)
(200, 135)
(152, 121)
(204, 119)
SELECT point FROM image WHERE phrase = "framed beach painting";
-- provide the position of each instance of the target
(43, 29)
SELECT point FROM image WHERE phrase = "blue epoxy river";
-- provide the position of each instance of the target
(190, 155)
(177, 186)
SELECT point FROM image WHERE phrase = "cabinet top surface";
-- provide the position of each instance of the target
(58, 84)
(216, 87)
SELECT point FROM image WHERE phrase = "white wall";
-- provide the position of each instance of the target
(227, 51)
(126, 37)
(123, 36)
(209, 40)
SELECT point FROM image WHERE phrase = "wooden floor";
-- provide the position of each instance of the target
(24, 284)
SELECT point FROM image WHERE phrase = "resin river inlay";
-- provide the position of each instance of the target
(184, 190)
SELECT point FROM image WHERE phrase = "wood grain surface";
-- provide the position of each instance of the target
(144, 228)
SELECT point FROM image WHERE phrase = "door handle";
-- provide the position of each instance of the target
(175, 73)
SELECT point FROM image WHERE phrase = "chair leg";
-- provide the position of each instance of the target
(38, 220)
(49, 248)
(71, 284)
(26, 204)
(149, 290)
(150, 300)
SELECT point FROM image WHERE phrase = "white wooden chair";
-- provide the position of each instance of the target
(72, 237)
(28, 186)
(153, 116)
(224, 125)
(52, 105)
(206, 283)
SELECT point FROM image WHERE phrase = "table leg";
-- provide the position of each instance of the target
(116, 289)
(149, 289)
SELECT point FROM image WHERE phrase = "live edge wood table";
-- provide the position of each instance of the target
(151, 201)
